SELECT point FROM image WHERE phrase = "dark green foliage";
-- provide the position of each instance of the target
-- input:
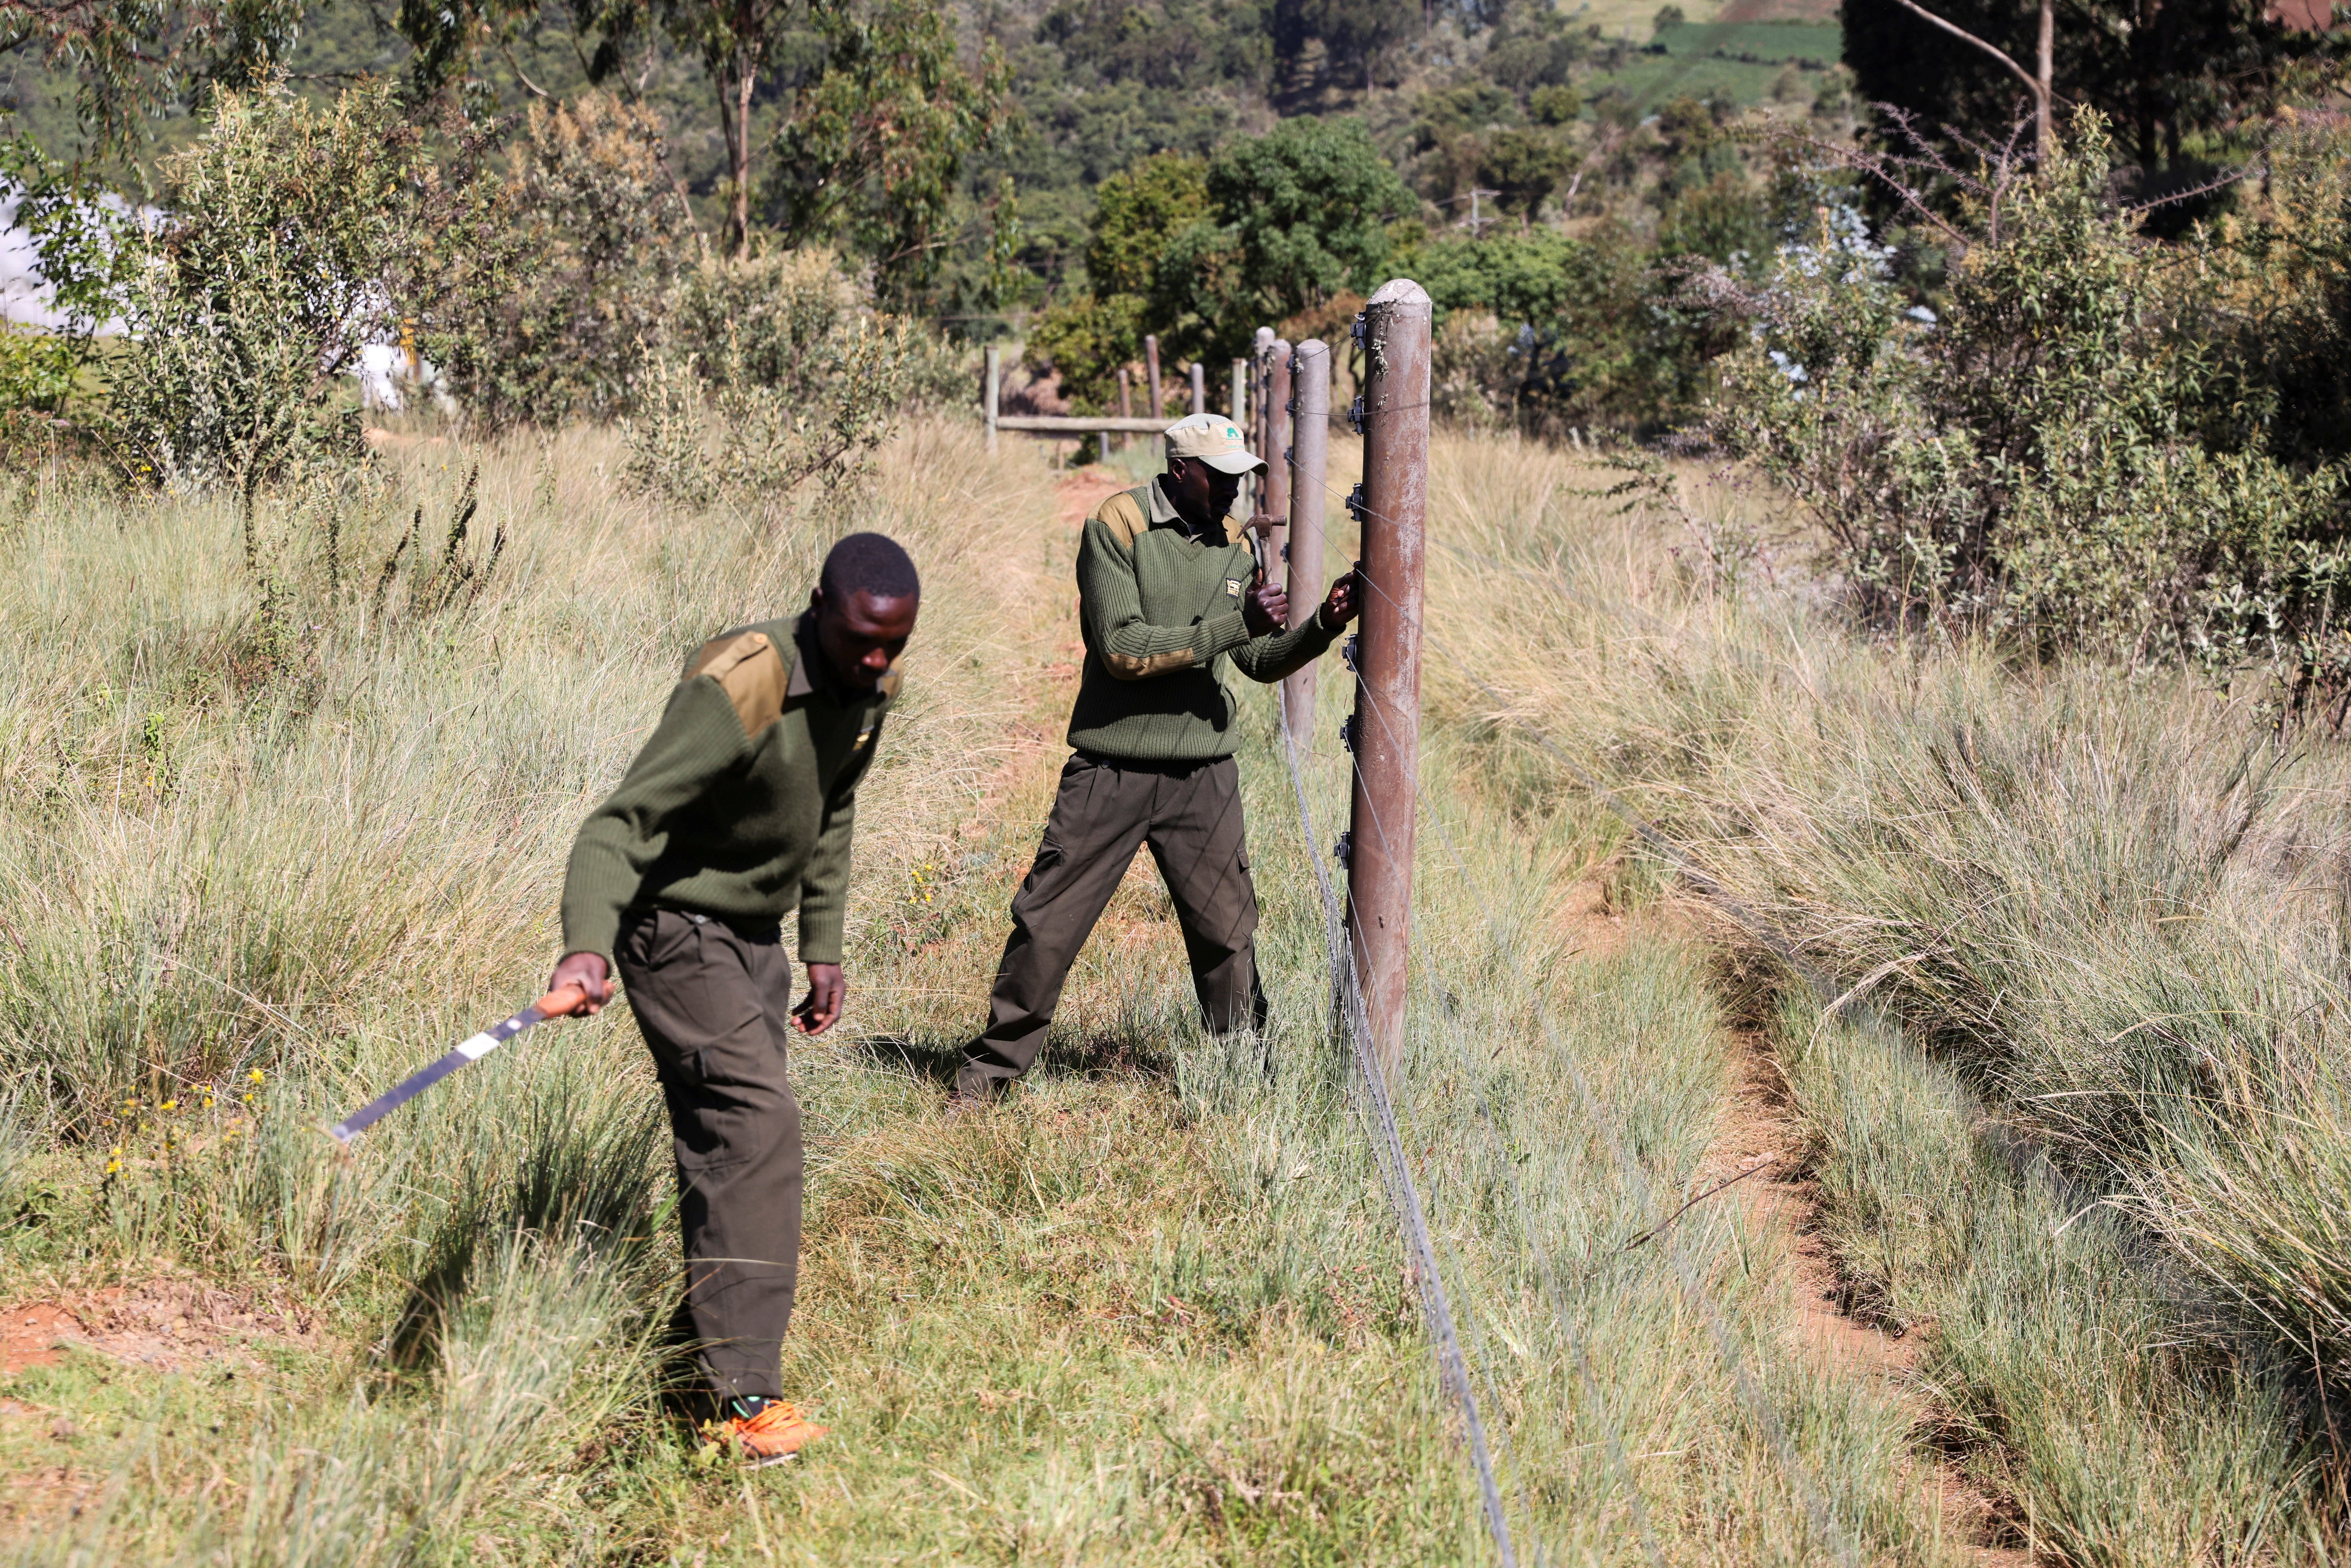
(1088, 339)
(873, 150)
(1523, 168)
(1298, 216)
(296, 234)
(2163, 77)
(591, 238)
(130, 59)
(1361, 38)
(1539, 331)
(2062, 453)
(1204, 252)
(80, 240)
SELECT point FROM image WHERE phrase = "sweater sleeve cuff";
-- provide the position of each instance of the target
(820, 935)
(1220, 635)
(592, 930)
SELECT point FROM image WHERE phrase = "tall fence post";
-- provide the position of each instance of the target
(1384, 733)
(1126, 402)
(1256, 426)
(1199, 387)
(1273, 432)
(1309, 441)
(1151, 373)
(994, 382)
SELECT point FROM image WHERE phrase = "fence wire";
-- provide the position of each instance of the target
(1695, 1292)
(1396, 1172)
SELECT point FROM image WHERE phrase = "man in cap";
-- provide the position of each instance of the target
(1167, 597)
(738, 810)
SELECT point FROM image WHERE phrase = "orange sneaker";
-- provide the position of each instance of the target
(771, 1434)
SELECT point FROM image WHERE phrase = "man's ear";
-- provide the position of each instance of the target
(816, 599)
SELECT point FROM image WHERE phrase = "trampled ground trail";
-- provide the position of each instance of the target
(1759, 1131)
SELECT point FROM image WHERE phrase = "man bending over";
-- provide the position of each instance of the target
(1166, 600)
(737, 811)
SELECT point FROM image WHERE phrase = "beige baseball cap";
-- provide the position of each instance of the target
(1214, 440)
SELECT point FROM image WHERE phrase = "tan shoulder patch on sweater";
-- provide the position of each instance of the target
(1125, 517)
(750, 671)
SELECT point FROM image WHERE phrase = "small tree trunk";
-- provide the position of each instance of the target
(740, 152)
(2046, 78)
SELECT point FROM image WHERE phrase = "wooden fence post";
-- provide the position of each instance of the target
(1151, 374)
(1309, 440)
(993, 384)
(1384, 733)
(1199, 387)
(1125, 401)
(1272, 442)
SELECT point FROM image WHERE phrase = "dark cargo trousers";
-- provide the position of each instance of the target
(1190, 815)
(714, 1004)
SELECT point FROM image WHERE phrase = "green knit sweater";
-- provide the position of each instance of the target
(1161, 615)
(742, 803)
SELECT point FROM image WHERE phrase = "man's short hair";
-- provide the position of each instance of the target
(869, 563)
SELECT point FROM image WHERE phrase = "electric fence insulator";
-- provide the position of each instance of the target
(1355, 502)
(1355, 418)
(1356, 332)
(1346, 734)
(1347, 652)
(1344, 851)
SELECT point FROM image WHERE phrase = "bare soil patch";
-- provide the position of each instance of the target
(1759, 1130)
(166, 1324)
(1087, 488)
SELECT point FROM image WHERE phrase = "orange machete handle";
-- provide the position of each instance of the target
(561, 1002)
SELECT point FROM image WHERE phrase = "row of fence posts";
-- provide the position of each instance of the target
(1286, 393)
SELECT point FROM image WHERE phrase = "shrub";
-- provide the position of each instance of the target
(295, 234)
(775, 372)
(2049, 459)
(592, 236)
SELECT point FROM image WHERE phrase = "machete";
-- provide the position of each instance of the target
(555, 1004)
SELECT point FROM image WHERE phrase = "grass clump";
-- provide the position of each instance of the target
(2101, 910)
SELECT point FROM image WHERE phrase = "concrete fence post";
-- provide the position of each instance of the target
(1199, 387)
(1309, 439)
(994, 382)
(1384, 733)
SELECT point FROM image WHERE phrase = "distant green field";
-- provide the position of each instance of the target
(1772, 42)
(1654, 80)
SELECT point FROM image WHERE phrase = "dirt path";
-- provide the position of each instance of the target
(1760, 1129)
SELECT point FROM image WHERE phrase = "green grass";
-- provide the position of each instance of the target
(1822, 43)
(1152, 1311)
(2097, 1152)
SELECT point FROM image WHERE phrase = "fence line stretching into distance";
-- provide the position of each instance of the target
(1368, 935)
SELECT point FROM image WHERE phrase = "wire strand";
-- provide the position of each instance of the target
(1751, 1393)
(1404, 1196)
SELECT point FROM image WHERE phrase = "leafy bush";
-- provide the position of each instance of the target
(775, 372)
(1539, 331)
(76, 232)
(2049, 459)
(295, 234)
(591, 237)
(1205, 253)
